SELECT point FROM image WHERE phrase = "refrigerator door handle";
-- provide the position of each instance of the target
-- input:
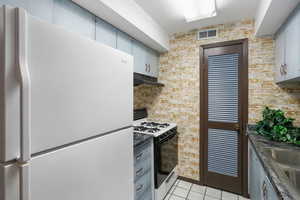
(25, 84)
(25, 102)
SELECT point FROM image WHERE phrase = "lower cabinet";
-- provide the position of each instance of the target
(260, 187)
(143, 171)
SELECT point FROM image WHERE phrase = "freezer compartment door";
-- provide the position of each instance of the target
(100, 168)
(79, 88)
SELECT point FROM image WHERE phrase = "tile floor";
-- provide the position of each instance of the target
(183, 190)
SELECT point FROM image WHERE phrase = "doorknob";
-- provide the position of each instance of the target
(236, 127)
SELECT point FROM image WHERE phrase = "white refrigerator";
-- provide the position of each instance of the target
(66, 110)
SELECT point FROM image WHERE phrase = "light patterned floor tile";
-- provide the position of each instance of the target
(213, 193)
(198, 188)
(229, 196)
(172, 189)
(167, 197)
(209, 198)
(184, 184)
(181, 192)
(195, 196)
(174, 197)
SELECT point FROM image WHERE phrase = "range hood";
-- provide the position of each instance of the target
(139, 79)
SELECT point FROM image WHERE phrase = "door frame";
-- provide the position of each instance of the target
(244, 117)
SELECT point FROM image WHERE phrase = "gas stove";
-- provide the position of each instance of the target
(153, 128)
(165, 146)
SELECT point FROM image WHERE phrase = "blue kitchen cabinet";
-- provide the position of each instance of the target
(42, 9)
(153, 62)
(106, 33)
(287, 50)
(260, 187)
(255, 174)
(293, 45)
(74, 18)
(143, 171)
(145, 60)
(140, 58)
(280, 57)
(124, 42)
(15, 3)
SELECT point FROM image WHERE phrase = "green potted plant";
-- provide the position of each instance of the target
(277, 127)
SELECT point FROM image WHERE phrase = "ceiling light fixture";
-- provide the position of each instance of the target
(199, 9)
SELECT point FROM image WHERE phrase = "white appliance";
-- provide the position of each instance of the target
(66, 107)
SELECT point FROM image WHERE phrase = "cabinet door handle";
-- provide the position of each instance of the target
(264, 191)
(138, 157)
(140, 171)
(283, 69)
(149, 67)
(139, 188)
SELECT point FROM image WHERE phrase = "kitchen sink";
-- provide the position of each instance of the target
(287, 165)
(284, 156)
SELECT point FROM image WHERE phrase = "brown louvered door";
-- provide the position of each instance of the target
(223, 116)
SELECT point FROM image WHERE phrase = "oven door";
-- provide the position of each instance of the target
(166, 155)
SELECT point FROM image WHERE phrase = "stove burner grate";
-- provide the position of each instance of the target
(155, 124)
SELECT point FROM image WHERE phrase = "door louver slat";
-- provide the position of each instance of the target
(223, 88)
(223, 152)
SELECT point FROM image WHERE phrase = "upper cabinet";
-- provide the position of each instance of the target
(15, 3)
(280, 52)
(124, 42)
(41, 9)
(145, 60)
(288, 50)
(74, 18)
(139, 54)
(153, 62)
(106, 33)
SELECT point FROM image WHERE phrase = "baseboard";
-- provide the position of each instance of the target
(189, 180)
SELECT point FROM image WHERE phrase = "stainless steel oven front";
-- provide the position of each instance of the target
(165, 155)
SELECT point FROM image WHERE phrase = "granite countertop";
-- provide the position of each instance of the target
(276, 175)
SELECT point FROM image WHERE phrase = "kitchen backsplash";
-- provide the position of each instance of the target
(178, 101)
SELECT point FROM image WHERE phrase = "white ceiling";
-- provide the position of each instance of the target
(170, 15)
